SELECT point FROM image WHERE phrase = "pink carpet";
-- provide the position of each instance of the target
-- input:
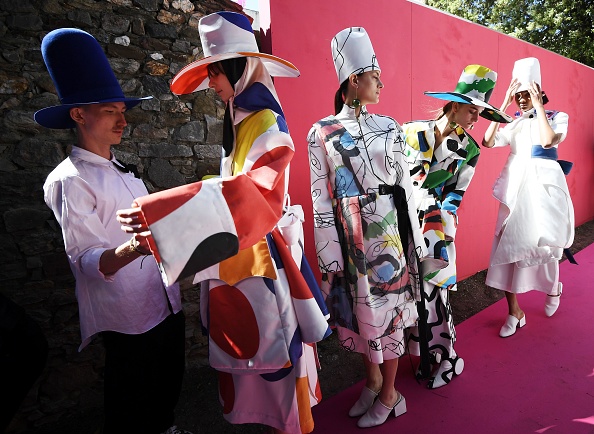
(539, 380)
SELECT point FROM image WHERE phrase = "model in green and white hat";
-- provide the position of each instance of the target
(442, 157)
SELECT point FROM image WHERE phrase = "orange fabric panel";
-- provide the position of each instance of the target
(305, 417)
(253, 261)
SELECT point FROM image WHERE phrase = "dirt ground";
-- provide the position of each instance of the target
(199, 410)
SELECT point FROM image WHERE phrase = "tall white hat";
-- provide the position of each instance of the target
(353, 53)
(526, 71)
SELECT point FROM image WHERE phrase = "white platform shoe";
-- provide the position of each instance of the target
(378, 413)
(364, 402)
(552, 301)
(511, 325)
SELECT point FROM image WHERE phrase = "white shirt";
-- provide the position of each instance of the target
(84, 191)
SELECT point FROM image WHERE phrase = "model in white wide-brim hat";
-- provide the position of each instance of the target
(226, 35)
(230, 233)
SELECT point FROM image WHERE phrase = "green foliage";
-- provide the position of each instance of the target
(563, 26)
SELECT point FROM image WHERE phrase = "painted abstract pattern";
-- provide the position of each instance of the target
(440, 177)
(363, 230)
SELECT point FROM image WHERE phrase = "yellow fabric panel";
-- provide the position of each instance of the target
(248, 131)
(255, 260)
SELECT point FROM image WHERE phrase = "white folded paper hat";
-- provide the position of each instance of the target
(526, 71)
(353, 53)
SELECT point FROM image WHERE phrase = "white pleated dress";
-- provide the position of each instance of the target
(535, 221)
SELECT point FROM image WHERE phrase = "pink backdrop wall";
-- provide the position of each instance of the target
(421, 49)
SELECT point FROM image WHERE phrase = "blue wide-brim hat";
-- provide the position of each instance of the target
(82, 75)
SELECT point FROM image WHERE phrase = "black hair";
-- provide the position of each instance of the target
(232, 68)
(340, 95)
(545, 99)
(214, 69)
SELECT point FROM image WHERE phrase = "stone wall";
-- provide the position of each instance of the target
(173, 140)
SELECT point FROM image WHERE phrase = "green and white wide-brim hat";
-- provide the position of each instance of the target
(475, 86)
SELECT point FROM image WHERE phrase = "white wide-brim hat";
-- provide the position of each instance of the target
(226, 35)
(353, 53)
(526, 71)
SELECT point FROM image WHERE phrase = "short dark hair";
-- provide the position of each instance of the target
(232, 68)
(214, 69)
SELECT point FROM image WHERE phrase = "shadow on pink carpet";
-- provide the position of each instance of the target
(540, 380)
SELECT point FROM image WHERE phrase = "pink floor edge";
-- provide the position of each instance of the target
(539, 380)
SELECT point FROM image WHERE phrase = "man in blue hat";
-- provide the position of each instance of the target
(119, 290)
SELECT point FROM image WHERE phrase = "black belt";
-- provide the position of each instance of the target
(399, 197)
(384, 189)
(405, 231)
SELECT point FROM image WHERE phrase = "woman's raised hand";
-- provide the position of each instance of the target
(510, 93)
(535, 95)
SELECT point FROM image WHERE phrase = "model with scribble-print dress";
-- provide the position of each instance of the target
(367, 236)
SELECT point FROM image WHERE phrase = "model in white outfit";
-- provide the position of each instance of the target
(535, 221)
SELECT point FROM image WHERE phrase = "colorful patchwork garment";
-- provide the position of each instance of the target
(440, 176)
(259, 302)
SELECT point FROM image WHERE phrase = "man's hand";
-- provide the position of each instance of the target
(132, 220)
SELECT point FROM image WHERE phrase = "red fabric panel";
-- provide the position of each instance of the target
(297, 284)
(256, 197)
(233, 324)
(176, 197)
